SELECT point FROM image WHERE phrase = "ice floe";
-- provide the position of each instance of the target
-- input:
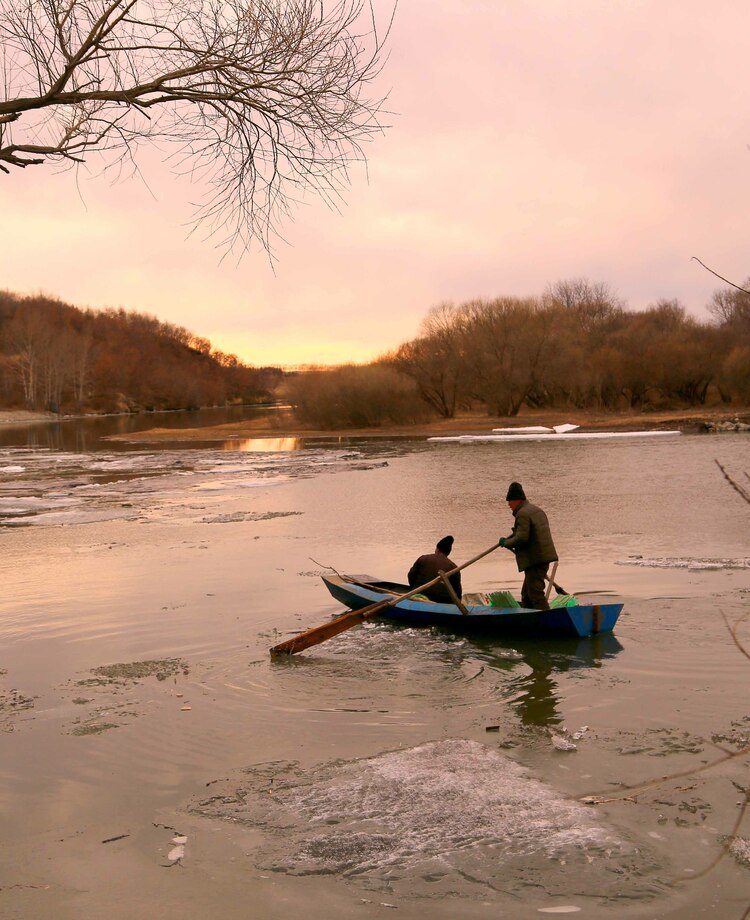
(551, 436)
(687, 562)
(436, 808)
(65, 488)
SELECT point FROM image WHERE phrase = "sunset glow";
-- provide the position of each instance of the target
(529, 141)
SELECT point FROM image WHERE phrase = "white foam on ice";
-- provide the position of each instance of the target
(435, 801)
(529, 429)
(740, 849)
(686, 562)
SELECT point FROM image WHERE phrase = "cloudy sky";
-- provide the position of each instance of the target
(530, 140)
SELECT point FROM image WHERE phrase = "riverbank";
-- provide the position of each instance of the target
(22, 417)
(283, 424)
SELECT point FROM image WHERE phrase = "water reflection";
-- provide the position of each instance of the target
(535, 694)
(87, 434)
(263, 445)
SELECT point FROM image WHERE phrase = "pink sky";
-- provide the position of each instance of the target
(531, 140)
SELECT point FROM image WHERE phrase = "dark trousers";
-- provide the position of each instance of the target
(534, 587)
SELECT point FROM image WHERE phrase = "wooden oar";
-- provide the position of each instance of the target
(558, 589)
(320, 633)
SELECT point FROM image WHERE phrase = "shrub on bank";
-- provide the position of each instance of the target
(735, 374)
(353, 396)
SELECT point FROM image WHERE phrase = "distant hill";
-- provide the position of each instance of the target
(56, 356)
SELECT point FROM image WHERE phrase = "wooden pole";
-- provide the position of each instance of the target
(550, 581)
(320, 633)
(456, 599)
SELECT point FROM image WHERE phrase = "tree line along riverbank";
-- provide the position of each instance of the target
(57, 357)
(576, 348)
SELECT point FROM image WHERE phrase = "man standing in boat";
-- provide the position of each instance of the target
(429, 566)
(531, 541)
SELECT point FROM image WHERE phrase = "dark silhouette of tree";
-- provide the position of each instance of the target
(263, 99)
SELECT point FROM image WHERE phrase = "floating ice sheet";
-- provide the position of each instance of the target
(555, 436)
(687, 562)
(43, 487)
(429, 813)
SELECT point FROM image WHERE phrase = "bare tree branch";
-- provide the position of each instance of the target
(628, 791)
(732, 836)
(260, 100)
(726, 280)
(736, 486)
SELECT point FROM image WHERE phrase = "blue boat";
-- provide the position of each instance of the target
(580, 620)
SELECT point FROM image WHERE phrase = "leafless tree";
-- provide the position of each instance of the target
(261, 99)
(594, 304)
(509, 340)
(731, 308)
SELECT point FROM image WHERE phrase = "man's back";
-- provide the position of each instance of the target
(428, 567)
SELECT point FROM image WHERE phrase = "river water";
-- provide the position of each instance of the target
(156, 760)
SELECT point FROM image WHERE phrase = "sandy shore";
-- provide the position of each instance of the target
(22, 417)
(283, 424)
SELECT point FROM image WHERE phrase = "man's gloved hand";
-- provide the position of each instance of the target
(501, 541)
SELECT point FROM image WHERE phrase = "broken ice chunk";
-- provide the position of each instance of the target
(562, 744)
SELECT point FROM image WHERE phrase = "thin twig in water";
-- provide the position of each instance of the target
(733, 632)
(627, 791)
(326, 567)
(727, 845)
(737, 488)
(719, 276)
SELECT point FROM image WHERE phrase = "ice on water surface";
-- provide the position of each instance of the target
(430, 813)
(687, 562)
(44, 487)
(437, 799)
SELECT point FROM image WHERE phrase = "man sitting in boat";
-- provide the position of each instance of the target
(531, 541)
(429, 566)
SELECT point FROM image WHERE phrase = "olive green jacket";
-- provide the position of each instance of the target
(531, 539)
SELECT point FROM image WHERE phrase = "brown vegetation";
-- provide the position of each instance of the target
(355, 397)
(56, 356)
(577, 346)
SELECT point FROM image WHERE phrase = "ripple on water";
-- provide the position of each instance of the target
(378, 665)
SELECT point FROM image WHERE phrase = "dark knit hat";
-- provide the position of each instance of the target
(445, 545)
(515, 493)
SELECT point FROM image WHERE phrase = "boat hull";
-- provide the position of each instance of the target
(582, 620)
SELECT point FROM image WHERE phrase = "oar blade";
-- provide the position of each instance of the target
(319, 634)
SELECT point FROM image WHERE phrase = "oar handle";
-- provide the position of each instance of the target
(320, 633)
